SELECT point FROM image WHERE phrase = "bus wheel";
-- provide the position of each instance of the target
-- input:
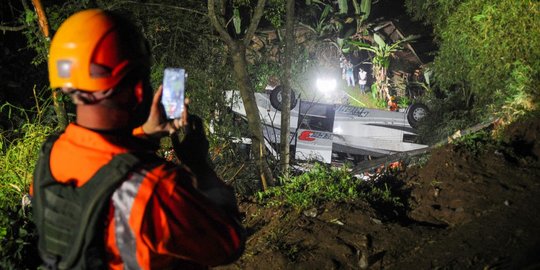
(415, 113)
(275, 98)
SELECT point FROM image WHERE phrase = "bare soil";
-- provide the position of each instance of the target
(468, 207)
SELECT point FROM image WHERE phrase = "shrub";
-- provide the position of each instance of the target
(475, 143)
(17, 161)
(319, 184)
(329, 184)
(489, 56)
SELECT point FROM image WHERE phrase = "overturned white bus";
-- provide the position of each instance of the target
(334, 132)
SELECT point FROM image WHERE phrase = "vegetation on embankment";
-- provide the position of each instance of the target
(487, 65)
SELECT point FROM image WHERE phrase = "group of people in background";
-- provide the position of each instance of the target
(347, 74)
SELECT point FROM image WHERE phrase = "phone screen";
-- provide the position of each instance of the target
(173, 92)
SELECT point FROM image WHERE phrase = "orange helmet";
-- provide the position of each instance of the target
(93, 50)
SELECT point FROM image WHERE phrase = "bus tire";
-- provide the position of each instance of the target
(275, 98)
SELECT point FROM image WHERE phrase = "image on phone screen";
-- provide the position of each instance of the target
(173, 92)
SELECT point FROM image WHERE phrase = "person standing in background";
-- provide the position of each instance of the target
(349, 73)
(362, 80)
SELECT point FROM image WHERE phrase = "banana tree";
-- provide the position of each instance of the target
(331, 21)
(362, 9)
(323, 24)
(382, 52)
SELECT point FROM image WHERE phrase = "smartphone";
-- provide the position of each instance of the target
(174, 80)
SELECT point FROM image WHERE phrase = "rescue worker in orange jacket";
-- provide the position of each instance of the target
(162, 215)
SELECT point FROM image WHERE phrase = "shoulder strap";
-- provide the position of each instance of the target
(70, 220)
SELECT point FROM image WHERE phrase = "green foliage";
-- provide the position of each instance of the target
(384, 195)
(332, 17)
(18, 159)
(433, 12)
(319, 17)
(34, 37)
(237, 21)
(374, 91)
(375, 100)
(446, 116)
(275, 13)
(474, 143)
(262, 71)
(56, 14)
(19, 150)
(343, 6)
(381, 50)
(522, 94)
(363, 9)
(318, 185)
(403, 102)
(489, 56)
(328, 184)
(18, 238)
(387, 194)
(483, 41)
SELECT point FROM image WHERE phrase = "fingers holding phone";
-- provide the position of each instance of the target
(169, 106)
(173, 98)
(174, 81)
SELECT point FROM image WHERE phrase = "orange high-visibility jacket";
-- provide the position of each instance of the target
(157, 218)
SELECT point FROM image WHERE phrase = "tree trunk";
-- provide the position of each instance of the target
(382, 82)
(238, 54)
(58, 104)
(286, 93)
(252, 113)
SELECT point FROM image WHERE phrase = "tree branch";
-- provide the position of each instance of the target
(257, 15)
(5, 28)
(219, 27)
(42, 18)
(25, 5)
(163, 6)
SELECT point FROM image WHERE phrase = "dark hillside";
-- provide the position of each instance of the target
(473, 205)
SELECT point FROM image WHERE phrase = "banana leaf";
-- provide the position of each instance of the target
(237, 21)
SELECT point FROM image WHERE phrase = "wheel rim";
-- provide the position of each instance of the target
(419, 113)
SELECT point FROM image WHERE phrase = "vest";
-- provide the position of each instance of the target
(71, 221)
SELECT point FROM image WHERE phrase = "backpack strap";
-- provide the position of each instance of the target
(71, 220)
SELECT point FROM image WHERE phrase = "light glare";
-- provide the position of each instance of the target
(326, 85)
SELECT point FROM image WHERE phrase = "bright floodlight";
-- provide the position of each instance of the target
(326, 85)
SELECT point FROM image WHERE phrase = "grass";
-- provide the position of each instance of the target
(17, 162)
(329, 184)
(19, 149)
(318, 185)
(356, 98)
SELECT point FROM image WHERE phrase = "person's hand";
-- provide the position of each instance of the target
(157, 125)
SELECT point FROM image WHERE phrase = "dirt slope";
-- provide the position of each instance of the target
(470, 207)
